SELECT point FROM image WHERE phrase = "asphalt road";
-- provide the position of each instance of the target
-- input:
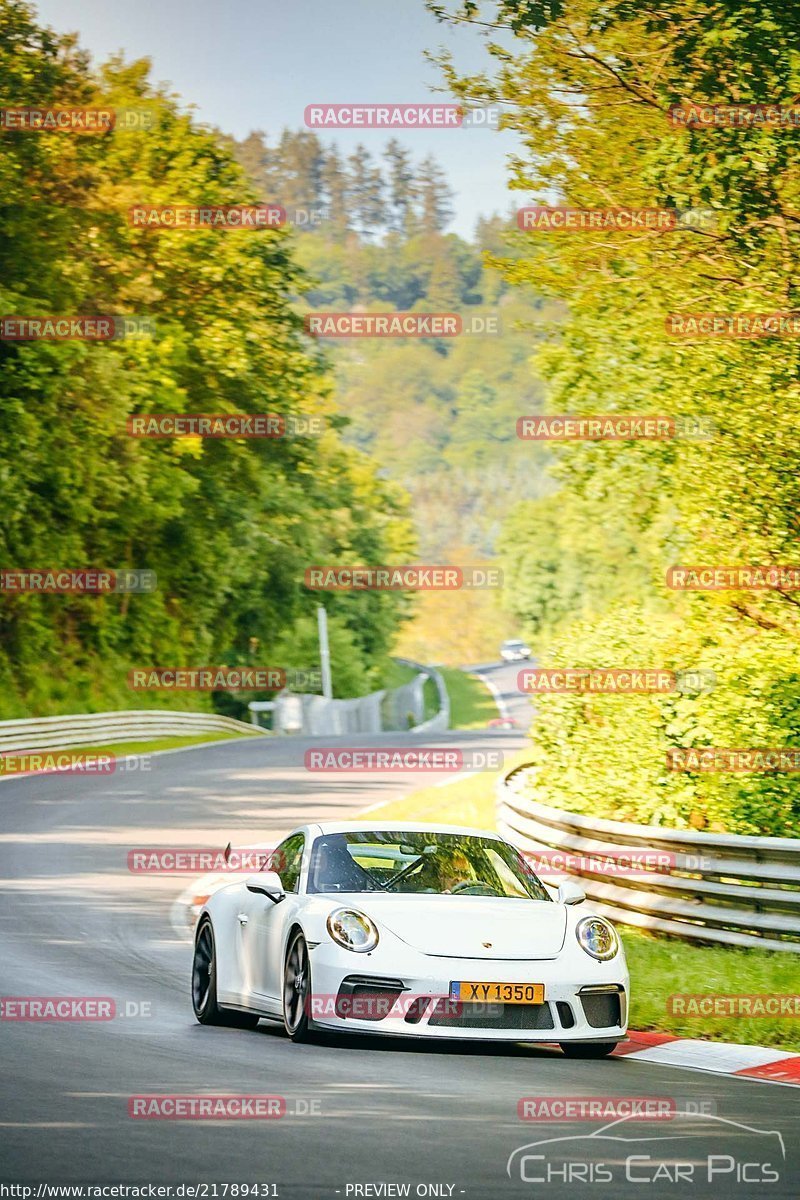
(361, 1112)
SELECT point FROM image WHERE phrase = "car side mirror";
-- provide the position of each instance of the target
(267, 883)
(570, 893)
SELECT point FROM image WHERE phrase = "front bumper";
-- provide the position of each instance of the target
(582, 1002)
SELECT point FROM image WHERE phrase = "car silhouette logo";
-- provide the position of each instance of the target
(616, 1135)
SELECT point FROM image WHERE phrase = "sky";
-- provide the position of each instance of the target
(257, 66)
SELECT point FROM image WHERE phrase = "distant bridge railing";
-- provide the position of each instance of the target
(708, 887)
(101, 729)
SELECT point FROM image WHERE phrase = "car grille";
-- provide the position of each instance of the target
(454, 1014)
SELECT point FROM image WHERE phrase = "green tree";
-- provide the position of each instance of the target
(434, 197)
(400, 186)
(228, 526)
(365, 192)
(588, 87)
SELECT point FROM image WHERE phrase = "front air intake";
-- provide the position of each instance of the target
(361, 998)
(602, 1007)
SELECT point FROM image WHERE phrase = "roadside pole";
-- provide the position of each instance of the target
(324, 653)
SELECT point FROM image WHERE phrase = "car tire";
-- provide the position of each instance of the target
(296, 988)
(204, 985)
(587, 1049)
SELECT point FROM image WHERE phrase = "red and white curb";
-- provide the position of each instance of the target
(723, 1058)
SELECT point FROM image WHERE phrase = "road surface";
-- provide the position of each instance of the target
(436, 1119)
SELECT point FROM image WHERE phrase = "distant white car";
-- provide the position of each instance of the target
(434, 931)
(514, 650)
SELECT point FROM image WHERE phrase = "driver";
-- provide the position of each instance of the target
(444, 871)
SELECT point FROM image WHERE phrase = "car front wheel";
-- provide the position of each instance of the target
(588, 1049)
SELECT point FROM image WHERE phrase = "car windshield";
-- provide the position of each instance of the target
(421, 862)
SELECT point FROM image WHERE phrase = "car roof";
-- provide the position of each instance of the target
(397, 826)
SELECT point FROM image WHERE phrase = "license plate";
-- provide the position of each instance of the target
(504, 993)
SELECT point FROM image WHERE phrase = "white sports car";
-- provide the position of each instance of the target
(515, 650)
(402, 929)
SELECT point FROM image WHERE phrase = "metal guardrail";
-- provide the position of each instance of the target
(717, 887)
(400, 708)
(441, 719)
(101, 729)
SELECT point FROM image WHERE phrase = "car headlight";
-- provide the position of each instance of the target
(597, 938)
(353, 930)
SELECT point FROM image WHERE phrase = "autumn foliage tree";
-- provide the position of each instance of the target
(589, 88)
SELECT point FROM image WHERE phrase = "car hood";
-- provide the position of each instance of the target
(460, 926)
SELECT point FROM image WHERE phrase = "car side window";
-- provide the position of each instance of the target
(287, 861)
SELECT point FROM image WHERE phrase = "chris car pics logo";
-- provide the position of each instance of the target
(694, 1150)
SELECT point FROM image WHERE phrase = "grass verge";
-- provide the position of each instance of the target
(664, 966)
(472, 705)
(660, 966)
(397, 675)
(148, 747)
(468, 801)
